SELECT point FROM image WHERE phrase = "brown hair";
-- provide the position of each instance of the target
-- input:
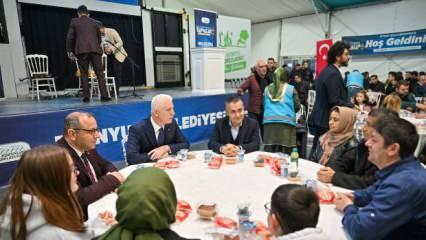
(392, 102)
(296, 207)
(45, 173)
(366, 98)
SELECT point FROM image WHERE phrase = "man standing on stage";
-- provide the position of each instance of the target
(84, 41)
(113, 48)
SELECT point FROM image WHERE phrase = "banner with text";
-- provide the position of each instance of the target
(196, 117)
(205, 28)
(234, 34)
(400, 42)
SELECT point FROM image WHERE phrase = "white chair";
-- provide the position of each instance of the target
(311, 102)
(38, 66)
(123, 146)
(374, 97)
(109, 81)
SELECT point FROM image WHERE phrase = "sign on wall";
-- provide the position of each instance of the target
(234, 34)
(205, 28)
(400, 42)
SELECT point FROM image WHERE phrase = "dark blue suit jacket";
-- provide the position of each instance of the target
(248, 135)
(330, 92)
(142, 140)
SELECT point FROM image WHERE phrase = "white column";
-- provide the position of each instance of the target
(149, 54)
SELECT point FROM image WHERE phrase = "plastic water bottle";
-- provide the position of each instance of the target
(284, 168)
(240, 155)
(294, 157)
(359, 125)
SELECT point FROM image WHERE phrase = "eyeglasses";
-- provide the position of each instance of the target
(267, 207)
(89, 131)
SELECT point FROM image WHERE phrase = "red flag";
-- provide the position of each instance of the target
(322, 50)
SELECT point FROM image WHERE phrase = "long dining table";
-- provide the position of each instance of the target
(228, 187)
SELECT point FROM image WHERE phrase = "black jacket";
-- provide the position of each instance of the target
(378, 87)
(330, 92)
(142, 140)
(248, 135)
(302, 89)
(353, 170)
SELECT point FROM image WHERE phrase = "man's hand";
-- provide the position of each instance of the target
(325, 174)
(117, 175)
(343, 200)
(159, 152)
(108, 50)
(240, 91)
(421, 106)
(229, 150)
(71, 56)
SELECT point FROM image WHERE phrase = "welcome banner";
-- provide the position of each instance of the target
(400, 42)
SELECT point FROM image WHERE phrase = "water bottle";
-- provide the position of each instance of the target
(284, 169)
(240, 155)
(208, 155)
(359, 126)
(294, 157)
(247, 230)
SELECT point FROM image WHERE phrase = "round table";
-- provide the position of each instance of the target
(227, 187)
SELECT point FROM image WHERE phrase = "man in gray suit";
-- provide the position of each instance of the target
(83, 41)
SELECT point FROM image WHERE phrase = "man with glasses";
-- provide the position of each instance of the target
(97, 177)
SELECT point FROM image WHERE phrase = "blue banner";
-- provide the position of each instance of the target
(196, 117)
(129, 2)
(401, 42)
(205, 28)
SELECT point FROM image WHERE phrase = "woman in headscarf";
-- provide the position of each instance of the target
(279, 118)
(146, 207)
(340, 136)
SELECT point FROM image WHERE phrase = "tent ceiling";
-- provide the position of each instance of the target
(265, 10)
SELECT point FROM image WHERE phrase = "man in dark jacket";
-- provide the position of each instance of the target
(302, 88)
(156, 136)
(307, 75)
(394, 206)
(97, 177)
(375, 85)
(235, 132)
(352, 169)
(84, 41)
(330, 91)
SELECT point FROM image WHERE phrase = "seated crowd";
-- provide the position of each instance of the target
(53, 185)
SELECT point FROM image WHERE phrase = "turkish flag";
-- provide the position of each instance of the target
(322, 50)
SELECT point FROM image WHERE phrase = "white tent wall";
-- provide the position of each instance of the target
(383, 18)
(299, 34)
(267, 39)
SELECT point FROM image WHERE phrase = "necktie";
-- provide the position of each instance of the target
(160, 139)
(88, 169)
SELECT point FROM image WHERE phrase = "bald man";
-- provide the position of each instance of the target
(97, 177)
(156, 136)
(255, 85)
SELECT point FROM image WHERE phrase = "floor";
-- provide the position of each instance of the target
(64, 102)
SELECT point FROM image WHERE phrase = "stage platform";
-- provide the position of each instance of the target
(25, 123)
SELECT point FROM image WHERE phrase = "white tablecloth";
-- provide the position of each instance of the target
(227, 187)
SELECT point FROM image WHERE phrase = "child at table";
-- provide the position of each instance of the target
(293, 213)
(360, 100)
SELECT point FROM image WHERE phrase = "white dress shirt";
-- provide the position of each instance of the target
(156, 128)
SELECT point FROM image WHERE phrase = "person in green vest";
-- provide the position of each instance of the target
(281, 103)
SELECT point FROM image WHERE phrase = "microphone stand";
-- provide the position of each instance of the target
(133, 64)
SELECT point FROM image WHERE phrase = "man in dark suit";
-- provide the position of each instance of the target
(235, 131)
(330, 90)
(97, 177)
(156, 136)
(83, 40)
